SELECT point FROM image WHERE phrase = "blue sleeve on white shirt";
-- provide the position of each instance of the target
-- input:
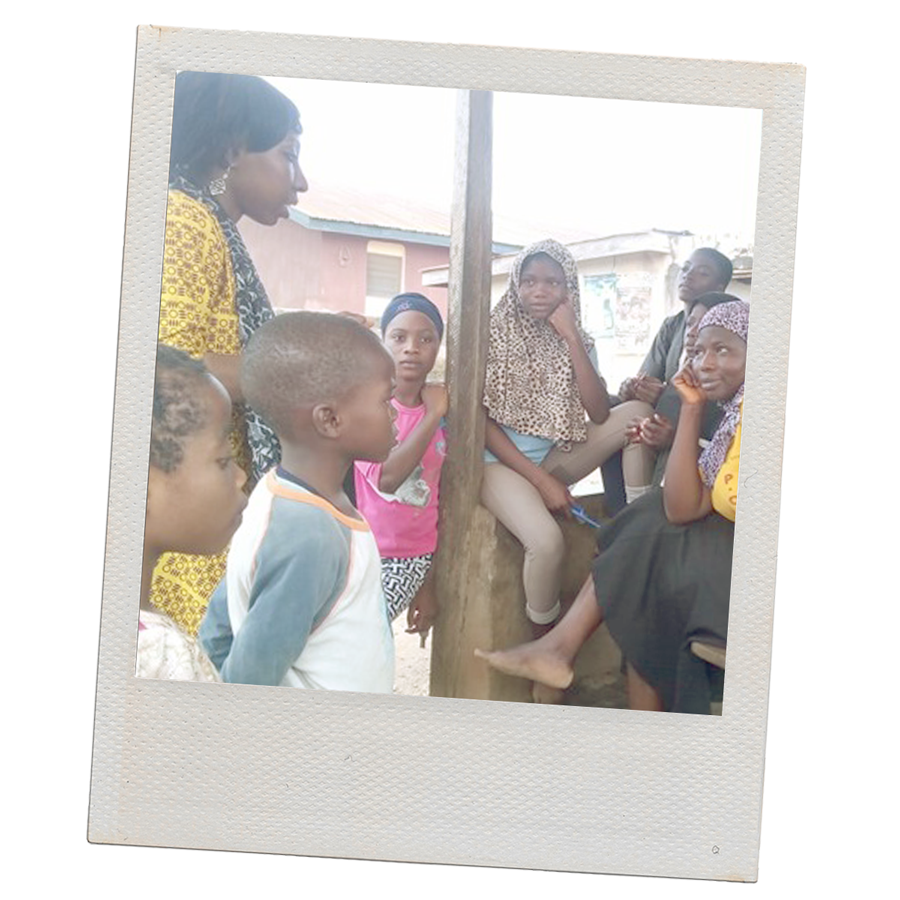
(215, 634)
(301, 571)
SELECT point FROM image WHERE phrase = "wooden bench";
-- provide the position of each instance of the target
(709, 653)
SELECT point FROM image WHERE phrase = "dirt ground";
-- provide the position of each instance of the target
(413, 663)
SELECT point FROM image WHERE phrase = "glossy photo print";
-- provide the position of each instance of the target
(452, 414)
(598, 290)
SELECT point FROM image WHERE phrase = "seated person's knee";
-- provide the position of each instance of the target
(547, 544)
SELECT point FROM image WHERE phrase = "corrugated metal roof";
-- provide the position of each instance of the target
(327, 208)
(654, 240)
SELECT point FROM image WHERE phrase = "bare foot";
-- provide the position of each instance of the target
(541, 693)
(531, 661)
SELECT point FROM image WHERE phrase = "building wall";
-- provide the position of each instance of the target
(288, 259)
(306, 269)
(424, 256)
(343, 273)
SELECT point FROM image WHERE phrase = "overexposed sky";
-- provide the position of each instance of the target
(605, 166)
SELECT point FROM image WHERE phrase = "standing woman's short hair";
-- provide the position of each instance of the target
(215, 115)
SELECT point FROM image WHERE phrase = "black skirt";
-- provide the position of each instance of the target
(661, 586)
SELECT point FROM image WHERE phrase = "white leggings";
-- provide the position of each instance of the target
(516, 502)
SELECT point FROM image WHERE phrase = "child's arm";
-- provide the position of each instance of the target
(553, 492)
(294, 587)
(424, 608)
(591, 387)
(648, 384)
(409, 452)
(685, 496)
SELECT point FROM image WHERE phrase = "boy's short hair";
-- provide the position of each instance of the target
(720, 261)
(300, 359)
(178, 406)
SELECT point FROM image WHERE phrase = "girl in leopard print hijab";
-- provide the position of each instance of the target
(530, 383)
(549, 418)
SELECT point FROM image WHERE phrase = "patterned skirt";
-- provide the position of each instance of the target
(401, 580)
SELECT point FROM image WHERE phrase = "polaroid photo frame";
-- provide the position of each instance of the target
(237, 767)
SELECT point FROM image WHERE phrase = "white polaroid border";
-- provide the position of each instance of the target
(427, 779)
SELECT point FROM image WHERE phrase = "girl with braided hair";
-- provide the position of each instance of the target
(194, 501)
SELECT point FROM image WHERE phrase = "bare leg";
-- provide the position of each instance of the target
(549, 659)
(640, 694)
(542, 693)
(538, 631)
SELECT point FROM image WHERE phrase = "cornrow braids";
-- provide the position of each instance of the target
(178, 410)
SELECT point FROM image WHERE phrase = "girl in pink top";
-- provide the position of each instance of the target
(399, 497)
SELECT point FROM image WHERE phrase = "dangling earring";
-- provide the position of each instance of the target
(217, 186)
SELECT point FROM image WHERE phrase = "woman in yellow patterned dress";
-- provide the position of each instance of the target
(235, 148)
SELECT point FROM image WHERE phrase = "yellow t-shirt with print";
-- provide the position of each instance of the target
(725, 488)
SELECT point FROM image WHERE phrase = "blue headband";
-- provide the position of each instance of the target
(416, 302)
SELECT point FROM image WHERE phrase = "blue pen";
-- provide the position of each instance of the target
(582, 516)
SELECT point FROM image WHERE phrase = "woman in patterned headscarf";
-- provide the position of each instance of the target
(235, 146)
(663, 575)
(541, 385)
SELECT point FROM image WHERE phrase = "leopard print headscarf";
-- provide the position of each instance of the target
(530, 383)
